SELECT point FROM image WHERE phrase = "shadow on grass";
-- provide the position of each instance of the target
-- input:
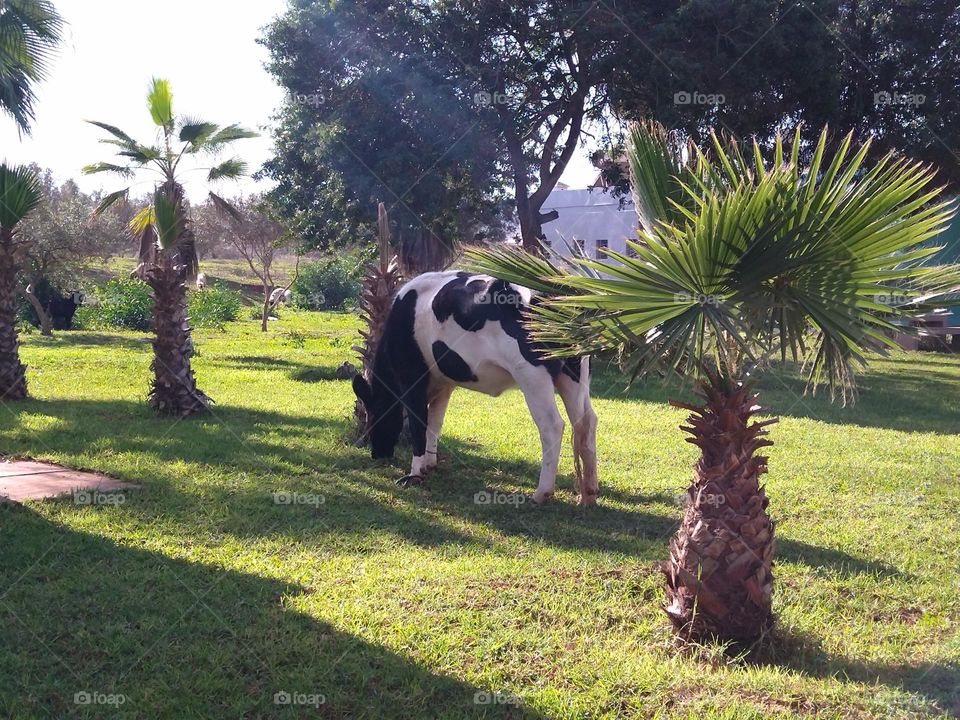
(939, 682)
(349, 500)
(180, 639)
(300, 372)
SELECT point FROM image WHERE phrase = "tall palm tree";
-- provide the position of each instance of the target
(20, 192)
(168, 257)
(742, 258)
(29, 32)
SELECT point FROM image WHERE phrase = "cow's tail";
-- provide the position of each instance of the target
(580, 429)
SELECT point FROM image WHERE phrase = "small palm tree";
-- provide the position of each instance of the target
(168, 258)
(20, 192)
(29, 32)
(741, 258)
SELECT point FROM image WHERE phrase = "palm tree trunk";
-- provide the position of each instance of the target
(13, 373)
(174, 388)
(719, 579)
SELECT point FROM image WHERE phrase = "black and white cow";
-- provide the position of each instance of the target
(454, 329)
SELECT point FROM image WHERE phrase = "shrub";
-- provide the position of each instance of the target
(125, 303)
(213, 307)
(328, 284)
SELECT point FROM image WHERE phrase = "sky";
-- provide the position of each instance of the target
(208, 51)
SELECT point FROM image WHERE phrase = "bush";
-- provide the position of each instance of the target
(125, 303)
(213, 307)
(328, 284)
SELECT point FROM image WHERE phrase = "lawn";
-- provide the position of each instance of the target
(199, 596)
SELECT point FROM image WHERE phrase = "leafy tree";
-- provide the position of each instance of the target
(742, 258)
(30, 30)
(20, 193)
(889, 72)
(167, 252)
(432, 108)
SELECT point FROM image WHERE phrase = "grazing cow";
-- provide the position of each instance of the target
(61, 309)
(280, 295)
(201, 281)
(454, 329)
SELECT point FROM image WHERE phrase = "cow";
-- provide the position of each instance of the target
(62, 308)
(280, 295)
(456, 329)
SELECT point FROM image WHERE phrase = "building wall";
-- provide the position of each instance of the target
(589, 217)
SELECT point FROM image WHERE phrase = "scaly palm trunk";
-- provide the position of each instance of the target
(380, 284)
(13, 373)
(719, 578)
(174, 388)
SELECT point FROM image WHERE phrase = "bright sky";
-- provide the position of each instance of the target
(206, 48)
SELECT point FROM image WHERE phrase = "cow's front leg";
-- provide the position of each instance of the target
(537, 389)
(415, 402)
(436, 409)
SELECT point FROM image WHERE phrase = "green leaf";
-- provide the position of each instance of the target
(20, 193)
(160, 102)
(102, 167)
(228, 170)
(109, 200)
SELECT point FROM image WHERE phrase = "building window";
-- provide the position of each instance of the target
(601, 248)
(631, 251)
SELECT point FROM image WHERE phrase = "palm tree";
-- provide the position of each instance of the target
(29, 32)
(20, 192)
(168, 257)
(741, 258)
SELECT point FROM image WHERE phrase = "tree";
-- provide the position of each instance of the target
(167, 252)
(369, 118)
(20, 193)
(432, 108)
(258, 238)
(29, 32)
(741, 258)
(888, 72)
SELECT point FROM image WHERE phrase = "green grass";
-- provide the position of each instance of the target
(199, 597)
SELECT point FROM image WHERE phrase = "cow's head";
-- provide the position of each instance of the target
(384, 416)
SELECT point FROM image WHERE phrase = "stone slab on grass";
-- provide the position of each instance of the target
(30, 480)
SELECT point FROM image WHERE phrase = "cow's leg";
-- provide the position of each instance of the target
(537, 388)
(436, 409)
(576, 400)
(415, 402)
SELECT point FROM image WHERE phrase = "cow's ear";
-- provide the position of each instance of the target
(362, 389)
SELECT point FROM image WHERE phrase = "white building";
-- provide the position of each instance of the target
(593, 218)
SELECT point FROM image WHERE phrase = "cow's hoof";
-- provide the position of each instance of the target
(408, 480)
(541, 497)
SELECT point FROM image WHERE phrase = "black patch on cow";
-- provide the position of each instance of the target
(399, 384)
(451, 364)
(473, 303)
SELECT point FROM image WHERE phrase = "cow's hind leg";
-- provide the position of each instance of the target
(576, 400)
(537, 388)
(415, 403)
(436, 409)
